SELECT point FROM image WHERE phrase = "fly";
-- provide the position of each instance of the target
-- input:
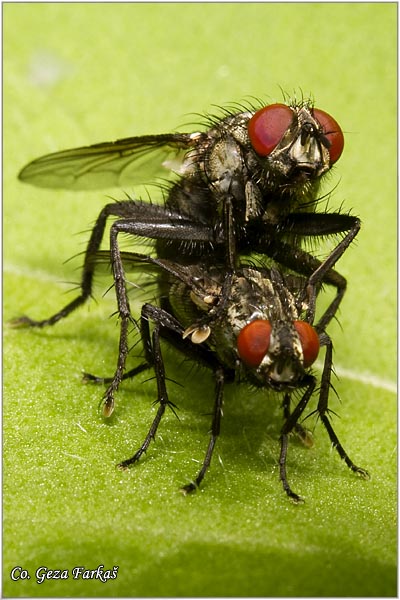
(248, 184)
(251, 326)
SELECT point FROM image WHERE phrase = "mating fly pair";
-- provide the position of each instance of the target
(247, 185)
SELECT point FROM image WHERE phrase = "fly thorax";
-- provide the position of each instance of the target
(223, 162)
(191, 163)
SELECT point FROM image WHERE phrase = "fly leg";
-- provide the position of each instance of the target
(215, 430)
(303, 434)
(127, 375)
(154, 358)
(288, 426)
(231, 252)
(323, 410)
(167, 327)
(161, 229)
(322, 273)
(141, 219)
(86, 278)
(300, 261)
(124, 313)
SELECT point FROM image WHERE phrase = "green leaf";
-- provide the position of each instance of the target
(82, 73)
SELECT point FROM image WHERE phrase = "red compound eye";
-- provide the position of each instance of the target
(309, 342)
(267, 127)
(332, 132)
(253, 342)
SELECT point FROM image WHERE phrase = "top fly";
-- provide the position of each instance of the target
(249, 183)
(296, 143)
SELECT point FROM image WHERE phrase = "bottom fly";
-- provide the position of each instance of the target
(250, 326)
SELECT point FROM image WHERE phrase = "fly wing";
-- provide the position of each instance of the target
(130, 161)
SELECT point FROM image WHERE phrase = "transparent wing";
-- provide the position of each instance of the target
(130, 161)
